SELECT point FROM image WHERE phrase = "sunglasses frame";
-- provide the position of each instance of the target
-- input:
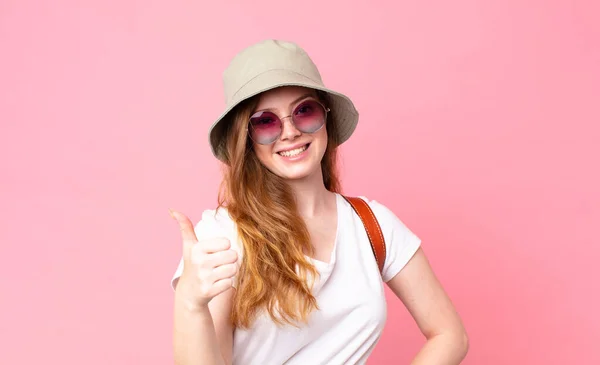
(291, 116)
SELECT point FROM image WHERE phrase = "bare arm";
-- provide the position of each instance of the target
(202, 334)
(418, 288)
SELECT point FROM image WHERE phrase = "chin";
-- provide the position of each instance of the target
(295, 174)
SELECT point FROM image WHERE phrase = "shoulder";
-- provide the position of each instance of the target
(214, 221)
(385, 216)
(401, 243)
(387, 219)
(217, 223)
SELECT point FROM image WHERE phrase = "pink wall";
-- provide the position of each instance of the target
(479, 127)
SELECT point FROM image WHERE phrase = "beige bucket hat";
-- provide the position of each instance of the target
(270, 64)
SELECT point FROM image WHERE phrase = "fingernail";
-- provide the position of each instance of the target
(171, 214)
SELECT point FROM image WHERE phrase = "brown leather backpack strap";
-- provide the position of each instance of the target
(371, 226)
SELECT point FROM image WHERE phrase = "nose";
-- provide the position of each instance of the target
(288, 130)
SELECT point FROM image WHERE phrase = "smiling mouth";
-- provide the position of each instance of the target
(292, 153)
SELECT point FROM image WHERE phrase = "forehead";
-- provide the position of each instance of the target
(283, 97)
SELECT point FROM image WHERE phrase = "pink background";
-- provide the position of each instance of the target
(479, 128)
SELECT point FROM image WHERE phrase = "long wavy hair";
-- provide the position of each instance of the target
(275, 276)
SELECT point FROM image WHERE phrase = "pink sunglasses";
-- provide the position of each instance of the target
(265, 127)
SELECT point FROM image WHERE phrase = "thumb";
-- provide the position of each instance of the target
(185, 226)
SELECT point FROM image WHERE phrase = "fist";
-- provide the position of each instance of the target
(208, 265)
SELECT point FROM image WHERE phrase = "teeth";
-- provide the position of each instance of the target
(292, 153)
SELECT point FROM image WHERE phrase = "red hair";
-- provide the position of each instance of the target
(275, 274)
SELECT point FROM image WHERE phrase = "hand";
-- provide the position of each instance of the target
(208, 265)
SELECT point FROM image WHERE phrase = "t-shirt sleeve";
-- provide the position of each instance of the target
(213, 224)
(400, 242)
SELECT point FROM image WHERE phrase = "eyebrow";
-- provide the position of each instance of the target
(297, 100)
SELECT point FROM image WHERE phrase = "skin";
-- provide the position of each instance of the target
(203, 296)
(282, 102)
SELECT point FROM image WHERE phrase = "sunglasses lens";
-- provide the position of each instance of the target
(265, 127)
(309, 116)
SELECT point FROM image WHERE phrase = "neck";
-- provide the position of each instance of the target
(312, 198)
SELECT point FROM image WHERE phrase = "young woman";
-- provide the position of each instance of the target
(283, 271)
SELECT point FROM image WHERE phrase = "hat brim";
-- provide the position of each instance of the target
(344, 113)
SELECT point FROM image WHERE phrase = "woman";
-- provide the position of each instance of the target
(282, 271)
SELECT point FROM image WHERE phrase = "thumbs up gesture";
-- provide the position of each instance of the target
(208, 265)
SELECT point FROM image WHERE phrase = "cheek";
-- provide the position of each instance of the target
(262, 152)
(321, 138)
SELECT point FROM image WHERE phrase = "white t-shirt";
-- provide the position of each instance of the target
(349, 292)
